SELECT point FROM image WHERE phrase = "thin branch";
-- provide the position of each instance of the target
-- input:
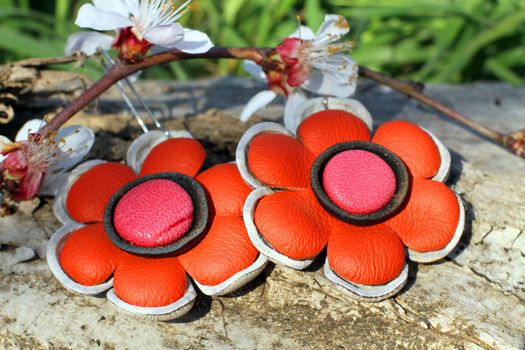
(514, 142)
(120, 71)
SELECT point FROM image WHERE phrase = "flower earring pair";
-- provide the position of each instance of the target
(146, 230)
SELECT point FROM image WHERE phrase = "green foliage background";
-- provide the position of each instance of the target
(430, 40)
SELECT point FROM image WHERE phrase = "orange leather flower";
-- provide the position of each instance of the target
(84, 258)
(372, 200)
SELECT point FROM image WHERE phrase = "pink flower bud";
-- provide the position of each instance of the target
(130, 47)
(15, 165)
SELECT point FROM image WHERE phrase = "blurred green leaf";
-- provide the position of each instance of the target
(61, 14)
(430, 40)
(501, 71)
(26, 45)
(313, 13)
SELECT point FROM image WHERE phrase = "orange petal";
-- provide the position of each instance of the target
(429, 219)
(148, 281)
(413, 145)
(326, 128)
(178, 155)
(88, 256)
(226, 189)
(279, 160)
(365, 255)
(224, 251)
(293, 223)
(87, 198)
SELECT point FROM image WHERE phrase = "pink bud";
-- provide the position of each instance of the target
(15, 165)
(130, 48)
(298, 74)
(29, 185)
(289, 50)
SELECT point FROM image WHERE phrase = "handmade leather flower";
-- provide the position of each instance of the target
(366, 197)
(141, 228)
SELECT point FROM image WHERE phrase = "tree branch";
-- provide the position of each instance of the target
(120, 71)
(513, 142)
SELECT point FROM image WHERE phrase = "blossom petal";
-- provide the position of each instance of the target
(52, 183)
(413, 145)
(334, 76)
(88, 43)
(293, 104)
(293, 223)
(257, 102)
(369, 255)
(75, 142)
(4, 142)
(333, 28)
(181, 155)
(254, 69)
(298, 75)
(194, 42)
(88, 256)
(30, 184)
(304, 33)
(5, 146)
(92, 17)
(132, 6)
(89, 195)
(223, 252)
(279, 160)
(289, 50)
(226, 189)
(15, 165)
(32, 126)
(118, 6)
(165, 35)
(430, 218)
(147, 282)
(326, 128)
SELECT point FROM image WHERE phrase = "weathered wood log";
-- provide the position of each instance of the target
(474, 299)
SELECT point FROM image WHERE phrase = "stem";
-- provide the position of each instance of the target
(120, 71)
(514, 142)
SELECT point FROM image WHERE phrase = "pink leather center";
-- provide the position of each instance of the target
(154, 213)
(359, 182)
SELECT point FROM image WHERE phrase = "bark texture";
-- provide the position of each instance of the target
(474, 299)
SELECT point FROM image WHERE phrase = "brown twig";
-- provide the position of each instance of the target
(513, 142)
(120, 71)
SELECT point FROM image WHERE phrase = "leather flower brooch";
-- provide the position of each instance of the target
(138, 230)
(373, 201)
